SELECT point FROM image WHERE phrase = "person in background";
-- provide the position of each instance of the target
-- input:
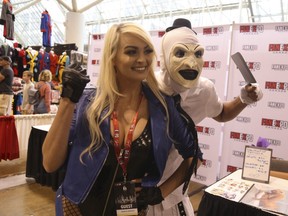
(6, 91)
(44, 87)
(27, 108)
(120, 136)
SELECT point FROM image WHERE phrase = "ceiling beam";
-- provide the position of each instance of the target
(282, 11)
(26, 6)
(89, 6)
(65, 5)
(251, 10)
(74, 6)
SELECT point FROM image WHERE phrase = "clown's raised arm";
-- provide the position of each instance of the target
(181, 61)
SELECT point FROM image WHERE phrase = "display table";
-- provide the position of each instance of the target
(34, 167)
(216, 205)
(24, 124)
(9, 146)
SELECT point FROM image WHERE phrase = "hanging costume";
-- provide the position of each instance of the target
(6, 50)
(32, 59)
(43, 61)
(17, 59)
(21, 60)
(53, 59)
(46, 28)
(63, 62)
(7, 19)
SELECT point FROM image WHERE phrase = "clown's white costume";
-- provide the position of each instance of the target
(181, 65)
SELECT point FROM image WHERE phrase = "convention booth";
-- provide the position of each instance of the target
(264, 48)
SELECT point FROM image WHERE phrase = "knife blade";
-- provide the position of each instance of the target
(242, 66)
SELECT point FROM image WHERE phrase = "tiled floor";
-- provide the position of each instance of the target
(29, 199)
(12, 181)
(16, 166)
(20, 196)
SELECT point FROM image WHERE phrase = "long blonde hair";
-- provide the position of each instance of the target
(107, 89)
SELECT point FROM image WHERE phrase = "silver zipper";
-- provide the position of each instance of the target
(110, 189)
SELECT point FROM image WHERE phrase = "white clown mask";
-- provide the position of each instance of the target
(181, 60)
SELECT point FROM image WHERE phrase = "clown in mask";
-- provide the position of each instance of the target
(181, 62)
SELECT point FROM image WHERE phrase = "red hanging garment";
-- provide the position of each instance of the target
(9, 146)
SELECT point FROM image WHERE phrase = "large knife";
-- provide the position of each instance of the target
(242, 66)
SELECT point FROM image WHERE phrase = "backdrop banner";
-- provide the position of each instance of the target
(264, 48)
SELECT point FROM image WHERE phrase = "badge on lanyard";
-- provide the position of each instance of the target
(125, 194)
(125, 198)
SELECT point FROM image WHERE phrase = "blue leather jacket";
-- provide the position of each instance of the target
(80, 177)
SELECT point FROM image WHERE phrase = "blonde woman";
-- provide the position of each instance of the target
(44, 87)
(117, 146)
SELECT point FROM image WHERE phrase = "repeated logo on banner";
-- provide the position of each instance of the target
(265, 49)
(96, 42)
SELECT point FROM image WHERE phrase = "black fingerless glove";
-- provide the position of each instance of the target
(149, 196)
(74, 80)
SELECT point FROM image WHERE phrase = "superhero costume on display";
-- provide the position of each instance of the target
(46, 28)
(53, 59)
(7, 19)
(6, 50)
(63, 62)
(181, 66)
(43, 60)
(32, 60)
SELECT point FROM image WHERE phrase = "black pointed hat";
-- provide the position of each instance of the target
(180, 22)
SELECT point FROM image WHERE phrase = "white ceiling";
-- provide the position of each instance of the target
(152, 14)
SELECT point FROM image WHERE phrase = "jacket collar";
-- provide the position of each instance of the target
(153, 104)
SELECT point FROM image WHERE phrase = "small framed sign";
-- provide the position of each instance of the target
(256, 164)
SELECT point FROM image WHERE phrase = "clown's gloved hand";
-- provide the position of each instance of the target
(149, 196)
(250, 93)
(74, 80)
